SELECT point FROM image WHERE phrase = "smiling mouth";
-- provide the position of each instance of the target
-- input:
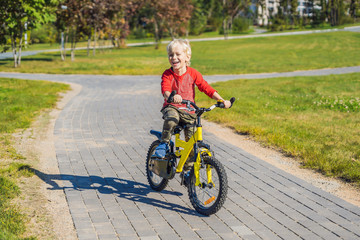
(175, 64)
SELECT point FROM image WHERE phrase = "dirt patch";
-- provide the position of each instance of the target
(340, 189)
(46, 208)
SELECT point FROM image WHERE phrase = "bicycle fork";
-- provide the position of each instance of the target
(197, 166)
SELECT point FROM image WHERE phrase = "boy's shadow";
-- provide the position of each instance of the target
(123, 188)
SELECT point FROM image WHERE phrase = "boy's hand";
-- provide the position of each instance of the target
(227, 104)
(177, 99)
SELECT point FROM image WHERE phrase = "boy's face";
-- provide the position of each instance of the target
(178, 58)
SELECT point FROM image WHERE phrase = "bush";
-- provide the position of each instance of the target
(139, 33)
(213, 24)
(198, 24)
(44, 34)
(240, 25)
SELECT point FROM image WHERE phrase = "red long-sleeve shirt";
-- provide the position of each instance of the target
(184, 85)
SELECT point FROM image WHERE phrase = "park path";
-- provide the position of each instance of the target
(101, 140)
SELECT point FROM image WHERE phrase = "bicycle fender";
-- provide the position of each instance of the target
(156, 133)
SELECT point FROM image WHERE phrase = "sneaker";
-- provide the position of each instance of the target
(161, 150)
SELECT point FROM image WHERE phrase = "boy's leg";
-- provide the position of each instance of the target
(171, 120)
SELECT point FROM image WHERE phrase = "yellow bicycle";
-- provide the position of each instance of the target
(207, 179)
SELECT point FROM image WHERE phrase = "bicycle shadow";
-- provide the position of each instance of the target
(123, 188)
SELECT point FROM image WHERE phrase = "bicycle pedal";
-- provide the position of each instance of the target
(185, 179)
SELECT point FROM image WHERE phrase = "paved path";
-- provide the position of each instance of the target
(102, 137)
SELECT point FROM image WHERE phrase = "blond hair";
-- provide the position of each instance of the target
(184, 43)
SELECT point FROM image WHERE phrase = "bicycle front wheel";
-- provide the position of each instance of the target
(208, 197)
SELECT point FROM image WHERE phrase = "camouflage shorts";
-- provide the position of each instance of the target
(172, 117)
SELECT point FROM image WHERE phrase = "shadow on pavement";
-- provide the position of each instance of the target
(123, 188)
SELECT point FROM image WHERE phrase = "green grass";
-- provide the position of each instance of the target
(315, 119)
(20, 102)
(254, 55)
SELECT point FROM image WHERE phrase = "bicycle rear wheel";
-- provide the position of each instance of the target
(156, 182)
(209, 196)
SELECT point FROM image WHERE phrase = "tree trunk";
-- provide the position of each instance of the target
(172, 34)
(66, 41)
(157, 37)
(62, 44)
(88, 44)
(73, 46)
(65, 37)
(333, 13)
(94, 49)
(225, 26)
(13, 46)
(20, 47)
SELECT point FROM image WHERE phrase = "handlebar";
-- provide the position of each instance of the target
(219, 104)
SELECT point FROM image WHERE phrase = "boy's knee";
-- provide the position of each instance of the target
(171, 122)
(171, 117)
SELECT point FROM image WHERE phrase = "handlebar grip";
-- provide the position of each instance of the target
(171, 97)
(232, 100)
(220, 104)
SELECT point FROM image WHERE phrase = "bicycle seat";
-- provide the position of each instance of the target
(179, 128)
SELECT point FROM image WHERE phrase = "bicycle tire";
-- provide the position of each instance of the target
(156, 182)
(214, 196)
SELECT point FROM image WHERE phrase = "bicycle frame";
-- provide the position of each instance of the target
(185, 152)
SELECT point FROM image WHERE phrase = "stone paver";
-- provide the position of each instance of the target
(102, 140)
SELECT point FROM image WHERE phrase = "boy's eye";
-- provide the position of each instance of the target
(174, 54)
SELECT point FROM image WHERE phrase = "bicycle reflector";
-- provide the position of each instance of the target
(209, 200)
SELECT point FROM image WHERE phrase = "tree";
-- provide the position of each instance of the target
(15, 14)
(198, 18)
(70, 20)
(230, 9)
(354, 8)
(169, 15)
(120, 27)
(336, 11)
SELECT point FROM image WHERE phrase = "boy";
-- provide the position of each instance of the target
(182, 78)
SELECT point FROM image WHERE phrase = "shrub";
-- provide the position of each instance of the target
(44, 34)
(240, 25)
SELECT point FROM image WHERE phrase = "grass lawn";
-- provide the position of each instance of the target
(255, 55)
(20, 102)
(316, 119)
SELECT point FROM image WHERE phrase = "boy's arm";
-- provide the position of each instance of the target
(208, 90)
